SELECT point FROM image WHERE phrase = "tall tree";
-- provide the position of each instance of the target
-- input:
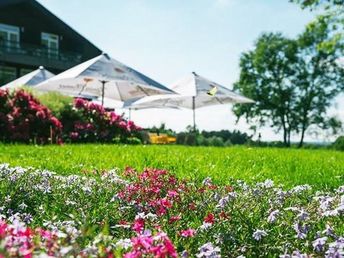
(319, 76)
(265, 77)
(292, 81)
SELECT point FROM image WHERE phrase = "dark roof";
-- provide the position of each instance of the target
(57, 21)
(11, 2)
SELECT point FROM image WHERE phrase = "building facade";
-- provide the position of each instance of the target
(31, 36)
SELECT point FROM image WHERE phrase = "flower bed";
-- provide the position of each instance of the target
(152, 213)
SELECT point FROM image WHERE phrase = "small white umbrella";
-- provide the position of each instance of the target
(31, 79)
(195, 92)
(104, 77)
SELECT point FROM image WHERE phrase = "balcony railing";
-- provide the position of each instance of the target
(36, 55)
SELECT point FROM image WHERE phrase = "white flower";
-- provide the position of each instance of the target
(205, 226)
(268, 183)
(8, 198)
(259, 234)
(140, 215)
(300, 188)
(124, 243)
(22, 206)
(66, 250)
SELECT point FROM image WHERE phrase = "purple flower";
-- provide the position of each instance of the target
(303, 215)
(301, 231)
(336, 249)
(208, 250)
(273, 216)
(318, 244)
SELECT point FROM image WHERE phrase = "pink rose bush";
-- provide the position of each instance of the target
(24, 119)
(154, 214)
(92, 123)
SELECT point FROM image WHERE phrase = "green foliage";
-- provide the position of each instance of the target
(292, 80)
(339, 143)
(191, 139)
(216, 141)
(162, 129)
(133, 141)
(321, 168)
(235, 137)
(313, 4)
(212, 138)
(56, 102)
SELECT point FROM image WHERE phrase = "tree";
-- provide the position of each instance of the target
(265, 77)
(332, 13)
(318, 77)
(292, 81)
(326, 4)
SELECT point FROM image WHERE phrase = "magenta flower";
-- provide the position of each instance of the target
(188, 232)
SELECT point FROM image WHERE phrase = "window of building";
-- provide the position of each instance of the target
(51, 43)
(9, 36)
(24, 71)
(7, 74)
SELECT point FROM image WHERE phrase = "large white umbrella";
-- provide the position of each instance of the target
(104, 77)
(31, 79)
(194, 91)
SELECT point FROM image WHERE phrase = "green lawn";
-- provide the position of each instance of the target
(320, 168)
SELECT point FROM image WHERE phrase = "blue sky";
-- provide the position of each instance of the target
(167, 39)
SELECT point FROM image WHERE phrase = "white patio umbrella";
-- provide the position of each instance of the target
(109, 103)
(104, 77)
(31, 79)
(194, 91)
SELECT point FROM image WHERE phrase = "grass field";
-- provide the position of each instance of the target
(290, 167)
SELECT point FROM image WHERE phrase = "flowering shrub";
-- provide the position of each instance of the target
(91, 123)
(154, 214)
(24, 119)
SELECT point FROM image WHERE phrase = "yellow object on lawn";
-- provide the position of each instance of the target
(161, 138)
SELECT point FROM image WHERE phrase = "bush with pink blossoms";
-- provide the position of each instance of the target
(90, 122)
(24, 119)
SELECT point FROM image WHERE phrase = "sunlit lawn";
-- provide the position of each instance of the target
(321, 168)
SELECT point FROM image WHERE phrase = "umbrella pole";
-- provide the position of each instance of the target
(103, 90)
(194, 113)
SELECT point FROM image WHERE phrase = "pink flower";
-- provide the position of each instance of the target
(188, 232)
(142, 241)
(138, 225)
(74, 135)
(56, 122)
(172, 193)
(166, 203)
(79, 103)
(40, 114)
(123, 124)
